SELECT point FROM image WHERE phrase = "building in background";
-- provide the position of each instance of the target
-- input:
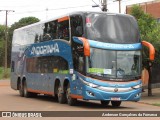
(152, 8)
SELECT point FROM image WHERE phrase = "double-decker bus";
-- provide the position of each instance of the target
(82, 55)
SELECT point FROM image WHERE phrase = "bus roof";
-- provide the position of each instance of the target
(69, 14)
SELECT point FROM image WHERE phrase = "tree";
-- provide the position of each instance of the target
(2, 39)
(2, 32)
(149, 31)
(22, 22)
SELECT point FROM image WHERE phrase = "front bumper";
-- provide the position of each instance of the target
(96, 94)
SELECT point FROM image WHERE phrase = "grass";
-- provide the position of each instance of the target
(4, 75)
(156, 104)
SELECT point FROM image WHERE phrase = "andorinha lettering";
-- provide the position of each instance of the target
(45, 49)
(115, 46)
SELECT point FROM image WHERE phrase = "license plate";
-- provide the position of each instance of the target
(116, 98)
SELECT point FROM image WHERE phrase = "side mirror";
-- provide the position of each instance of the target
(85, 43)
(151, 49)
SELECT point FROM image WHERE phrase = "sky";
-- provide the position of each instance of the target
(47, 9)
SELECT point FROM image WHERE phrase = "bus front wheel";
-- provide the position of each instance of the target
(105, 102)
(70, 101)
(116, 103)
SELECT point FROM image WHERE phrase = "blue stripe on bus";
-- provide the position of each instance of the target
(111, 46)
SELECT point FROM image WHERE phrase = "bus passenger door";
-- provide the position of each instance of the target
(78, 64)
(77, 50)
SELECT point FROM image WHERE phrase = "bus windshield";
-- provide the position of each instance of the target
(112, 28)
(114, 64)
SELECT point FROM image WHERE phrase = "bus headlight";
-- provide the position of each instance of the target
(137, 86)
(92, 85)
(89, 84)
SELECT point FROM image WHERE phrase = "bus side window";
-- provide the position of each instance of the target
(80, 64)
(76, 26)
(49, 31)
(63, 30)
(53, 29)
(78, 57)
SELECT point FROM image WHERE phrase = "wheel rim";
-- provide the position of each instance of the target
(68, 94)
(25, 89)
(20, 88)
(59, 92)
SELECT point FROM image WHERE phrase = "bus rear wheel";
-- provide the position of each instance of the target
(71, 101)
(21, 89)
(26, 93)
(105, 102)
(61, 95)
(116, 103)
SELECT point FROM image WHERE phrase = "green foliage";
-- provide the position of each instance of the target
(22, 22)
(149, 29)
(2, 32)
(156, 104)
(1, 72)
(2, 39)
(1, 52)
(4, 75)
(28, 21)
(137, 12)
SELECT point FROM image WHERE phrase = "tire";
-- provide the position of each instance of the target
(70, 101)
(105, 102)
(116, 103)
(26, 93)
(61, 95)
(21, 89)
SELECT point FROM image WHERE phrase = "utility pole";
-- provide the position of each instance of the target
(119, 5)
(104, 5)
(46, 13)
(6, 40)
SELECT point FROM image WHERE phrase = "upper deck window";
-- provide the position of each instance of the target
(112, 28)
(63, 29)
(76, 25)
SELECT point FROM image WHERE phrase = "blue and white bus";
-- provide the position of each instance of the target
(82, 55)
